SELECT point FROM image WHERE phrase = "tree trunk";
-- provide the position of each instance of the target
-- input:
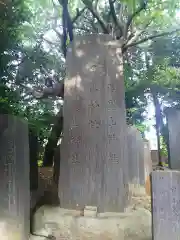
(53, 140)
(158, 118)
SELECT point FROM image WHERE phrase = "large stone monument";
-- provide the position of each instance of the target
(14, 179)
(94, 164)
(173, 118)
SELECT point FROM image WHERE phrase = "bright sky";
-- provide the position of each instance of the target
(150, 121)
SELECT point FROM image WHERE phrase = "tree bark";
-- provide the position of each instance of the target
(53, 140)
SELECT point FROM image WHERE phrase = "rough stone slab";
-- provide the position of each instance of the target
(154, 157)
(147, 166)
(94, 166)
(173, 119)
(68, 224)
(14, 179)
(136, 161)
(166, 205)
(147, 159)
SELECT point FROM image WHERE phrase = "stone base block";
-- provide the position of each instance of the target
(71, 225)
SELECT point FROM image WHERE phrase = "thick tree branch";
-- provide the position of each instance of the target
(95, 14)
(58, 33)
(56, 91)
(78, 14)
(134, 14)
(149, 38)
(96, 4)
(114, 17)
(134, 36)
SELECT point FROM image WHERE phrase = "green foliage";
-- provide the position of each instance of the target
(32, 38)
(164, 151)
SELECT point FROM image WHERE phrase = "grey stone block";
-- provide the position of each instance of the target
(94, 166)
(166, 205)
(173, 119)
(14, 179)
(136, 161)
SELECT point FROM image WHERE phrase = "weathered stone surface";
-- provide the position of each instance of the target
(47, 192)
(154, 157)
(68, 224)
(94, 162)
(147, 166)
(166, 205)
(173, 118)
(14, 179)
(136, 161)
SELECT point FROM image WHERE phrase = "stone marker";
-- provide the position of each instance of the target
(136, 161)
(173, 118)
(94, 162)
(14, 179)
(166, 205)
(147, 166)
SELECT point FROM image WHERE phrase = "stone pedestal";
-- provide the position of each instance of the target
(14, 179)
(93, 169)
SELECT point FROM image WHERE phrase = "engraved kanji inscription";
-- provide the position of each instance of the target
(74, 124)
(113, 158)
(77, 105)
(94, 88)
(112, 137)
(111, 103)
(94, 123)
(74, 158)
(93, 104)
(112, 122)
(96, 66)
(76, 140)
(111, 87)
